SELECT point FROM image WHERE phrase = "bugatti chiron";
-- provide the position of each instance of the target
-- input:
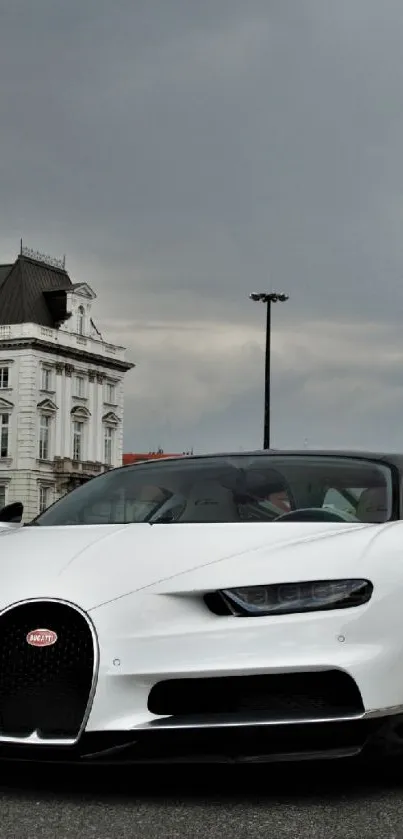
(231, 607)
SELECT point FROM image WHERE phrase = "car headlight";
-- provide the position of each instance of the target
(286, 598)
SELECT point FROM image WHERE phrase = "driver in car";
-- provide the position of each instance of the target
(266, 500)
(280, 499)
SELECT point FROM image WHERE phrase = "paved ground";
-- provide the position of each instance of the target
(341, 801)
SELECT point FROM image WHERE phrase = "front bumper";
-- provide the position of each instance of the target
(147, 639)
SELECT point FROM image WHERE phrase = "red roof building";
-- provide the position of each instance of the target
(131, 457)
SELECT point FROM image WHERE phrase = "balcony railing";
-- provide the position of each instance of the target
(67, 466)
(59, 337)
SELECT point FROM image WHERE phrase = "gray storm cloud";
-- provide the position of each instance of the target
(183, 155)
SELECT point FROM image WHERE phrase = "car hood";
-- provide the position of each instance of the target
(93, 565)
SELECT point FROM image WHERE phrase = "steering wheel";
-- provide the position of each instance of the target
(315, 514)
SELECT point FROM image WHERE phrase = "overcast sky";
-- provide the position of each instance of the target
(183, 154)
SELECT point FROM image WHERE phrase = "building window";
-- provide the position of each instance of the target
(4, 434)
(110, 394)
(81, 320)
(46, 383)
(78, 433)
(44, 437)
(109, 434)
(4, 377)
(80, 386)
(44, 498)
(2, 496)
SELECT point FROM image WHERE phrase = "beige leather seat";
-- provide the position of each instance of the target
(210, 502)
(373, 505)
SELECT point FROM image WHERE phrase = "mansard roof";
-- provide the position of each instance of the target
(34, 290)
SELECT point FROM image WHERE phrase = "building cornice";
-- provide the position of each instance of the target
(65, 352)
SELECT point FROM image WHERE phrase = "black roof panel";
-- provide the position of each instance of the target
(22, 291)
(4, 271)
(392, 458)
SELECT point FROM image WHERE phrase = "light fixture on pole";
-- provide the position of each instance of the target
(268, 298)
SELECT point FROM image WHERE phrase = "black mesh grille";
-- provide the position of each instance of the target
(44, 689)
(289, 696)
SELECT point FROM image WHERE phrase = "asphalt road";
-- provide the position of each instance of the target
(338, 801)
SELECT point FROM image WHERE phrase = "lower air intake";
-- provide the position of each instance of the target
(288, 696)
(45, 689)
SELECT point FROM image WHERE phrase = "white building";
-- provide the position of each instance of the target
(61, 385)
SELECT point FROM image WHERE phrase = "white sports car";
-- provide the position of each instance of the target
(240, 607)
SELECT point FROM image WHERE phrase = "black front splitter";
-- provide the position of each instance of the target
(278, 743)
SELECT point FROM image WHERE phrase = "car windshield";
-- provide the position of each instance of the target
(229, 489)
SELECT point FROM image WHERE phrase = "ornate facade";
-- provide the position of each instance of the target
(61, 385)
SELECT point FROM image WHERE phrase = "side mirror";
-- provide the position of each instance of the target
(12, 513)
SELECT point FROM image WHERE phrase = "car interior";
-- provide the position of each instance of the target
(233, 489)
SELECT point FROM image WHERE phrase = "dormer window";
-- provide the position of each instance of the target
(81, 320)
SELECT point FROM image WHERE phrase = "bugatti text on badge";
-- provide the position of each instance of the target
(41, 638)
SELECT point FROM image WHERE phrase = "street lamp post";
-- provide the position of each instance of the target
(268, 299)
